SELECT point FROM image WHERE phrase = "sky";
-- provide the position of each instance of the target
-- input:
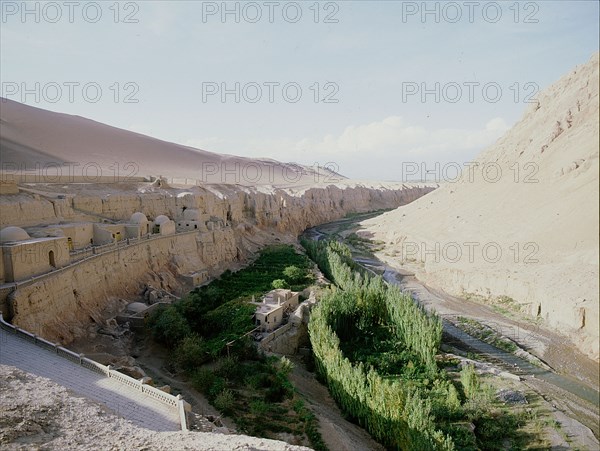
(358, 86)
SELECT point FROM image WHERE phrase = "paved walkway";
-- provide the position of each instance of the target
(121, 399)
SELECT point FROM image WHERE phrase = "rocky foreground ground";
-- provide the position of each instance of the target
(36, 413)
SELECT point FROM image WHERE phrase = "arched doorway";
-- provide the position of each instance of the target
(51, 259)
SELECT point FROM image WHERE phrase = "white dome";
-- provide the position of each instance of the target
(160, 219)
(138, 218)
(13, 234)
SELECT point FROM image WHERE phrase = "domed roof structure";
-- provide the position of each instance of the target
(191, 214)
(138, 218)
(11, 233)
(160, 219)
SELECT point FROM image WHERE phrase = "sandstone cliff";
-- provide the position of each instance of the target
(523, 223)
(242, 220)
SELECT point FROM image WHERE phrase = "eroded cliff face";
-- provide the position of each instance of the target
(60, 306)
(528, 228)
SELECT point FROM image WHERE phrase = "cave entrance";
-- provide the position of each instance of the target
(51, 259)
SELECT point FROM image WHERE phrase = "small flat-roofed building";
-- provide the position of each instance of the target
(79, 235)
(273, 308)
(24, 257)
(109, 233)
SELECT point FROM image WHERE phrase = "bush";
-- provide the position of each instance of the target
(259, 407)
(280, 283)
(203, 379)
(228, 367)
(168, 326)
(469, 381)
(191, 352)
(216, 388)
(293, 274)
(224, 401)
(285, 366)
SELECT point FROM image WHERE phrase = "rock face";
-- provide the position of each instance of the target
(523, 222)
(238, 221)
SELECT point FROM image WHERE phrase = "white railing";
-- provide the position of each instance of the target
(166, 398)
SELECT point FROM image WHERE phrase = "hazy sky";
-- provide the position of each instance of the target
(364, 85)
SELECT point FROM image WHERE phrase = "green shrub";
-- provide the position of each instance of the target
(469, 381)
(280, 283)
(217, 387)
(259, 407)
(285, 366)
(168, 326)
(191, 352)
(293, 274)
(228, 367)
(203, 379)
(224, 401)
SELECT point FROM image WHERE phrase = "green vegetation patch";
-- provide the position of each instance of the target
(207, 332)
(258, 395)
(376, 350)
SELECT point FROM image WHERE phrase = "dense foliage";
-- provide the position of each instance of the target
(374, 302)
(209, 326)
(398, 412)
(220, 313)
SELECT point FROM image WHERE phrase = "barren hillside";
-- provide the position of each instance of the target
(523, 222)
(48, 143)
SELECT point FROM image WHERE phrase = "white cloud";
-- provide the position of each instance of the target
(368, 148)
(396, 135)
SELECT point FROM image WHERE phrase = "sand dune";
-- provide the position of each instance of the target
(45, 142)
(537, 206)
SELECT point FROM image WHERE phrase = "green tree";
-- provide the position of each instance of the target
(280, 283)
(191, 352)
(168, 326)
(469, 380)
(293, 274)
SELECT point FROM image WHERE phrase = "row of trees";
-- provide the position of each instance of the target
(399, 414)
(419, 330)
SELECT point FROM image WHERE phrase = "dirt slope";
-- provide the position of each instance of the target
(33, 139)
(523, 222)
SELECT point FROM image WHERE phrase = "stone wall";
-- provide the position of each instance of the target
(242, 220)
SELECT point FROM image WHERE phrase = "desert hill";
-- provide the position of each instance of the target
(40, 141)
(524, 222)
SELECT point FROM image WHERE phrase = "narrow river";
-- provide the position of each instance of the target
(452, 334)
